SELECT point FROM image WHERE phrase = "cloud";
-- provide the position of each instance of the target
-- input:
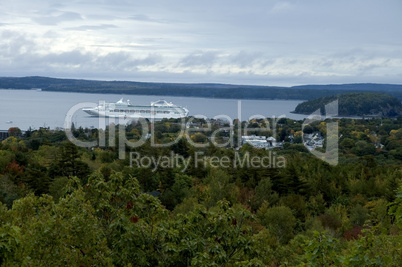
(146, 18)
(214, 41)
(143, 17)
(281, 7)
(54, 20)
(199, 58)
(124, 61)
(93, 27)
(245, 59)
(21, 52)
(13, 44)
(65, 59)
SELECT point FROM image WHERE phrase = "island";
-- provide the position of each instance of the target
(366, 104)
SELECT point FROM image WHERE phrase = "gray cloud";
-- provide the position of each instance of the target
(101, 17)
(146, 18)
(92, 27)
(266, 42)
(54, 20)
(21, 53)
(244, 59)
(123, 61)
(71, 58)
(199, 58)
(15, 44)
(143, 17)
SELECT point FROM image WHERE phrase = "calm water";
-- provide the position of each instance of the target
(29, 108)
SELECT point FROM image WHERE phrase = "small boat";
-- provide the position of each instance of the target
(9, 122)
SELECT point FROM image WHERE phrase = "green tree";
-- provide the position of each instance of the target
(219, 236)
(220, 187)
(279, 221)
(128, 218)
(374, 249)
(36, 177)
(264, 192)
(358, 215)
(179, 190)
(38, 232)
(69, 164)
(363, 148)
(395, 209)
(322, 251)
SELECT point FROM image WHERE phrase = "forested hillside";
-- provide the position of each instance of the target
(195, 90)
(355, 104)
(66, 205)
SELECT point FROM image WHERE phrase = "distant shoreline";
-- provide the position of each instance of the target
(202, 90)
(356, 117)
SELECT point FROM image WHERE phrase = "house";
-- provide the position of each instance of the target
(246, 138)
(260, 141)
(3, 134)
(313, 140)
(272, 141)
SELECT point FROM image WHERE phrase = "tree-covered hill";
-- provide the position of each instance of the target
(210, 90)
(356, 104)
(64, 205)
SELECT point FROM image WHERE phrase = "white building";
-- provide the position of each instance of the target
(260, 141)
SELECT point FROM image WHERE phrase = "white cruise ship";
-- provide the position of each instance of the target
(158, 110)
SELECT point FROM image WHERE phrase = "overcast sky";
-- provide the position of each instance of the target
(228, 41)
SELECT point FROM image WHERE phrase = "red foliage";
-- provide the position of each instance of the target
(353, 234)
(14, 131)
(247, 197)
(15, 169)
(134, 219)
(129, 205)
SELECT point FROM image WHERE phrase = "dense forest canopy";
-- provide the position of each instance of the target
(355, 104)
(209, 90)
(67, 205)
